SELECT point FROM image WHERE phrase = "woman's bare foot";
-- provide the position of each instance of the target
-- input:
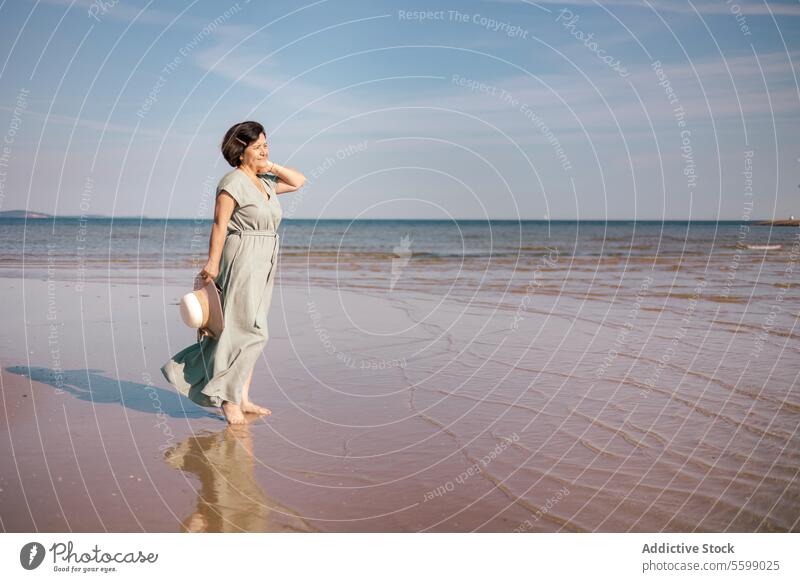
(248, 406)
(233, 412)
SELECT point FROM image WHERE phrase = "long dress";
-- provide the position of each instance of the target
(211, 371)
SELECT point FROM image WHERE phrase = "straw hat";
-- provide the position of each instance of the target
(202, 309)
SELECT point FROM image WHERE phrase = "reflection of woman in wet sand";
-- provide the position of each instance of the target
(230, 498)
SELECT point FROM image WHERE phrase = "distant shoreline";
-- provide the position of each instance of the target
(23, 215)
(781, 222)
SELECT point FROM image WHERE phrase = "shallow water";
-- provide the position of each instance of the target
(626, 377)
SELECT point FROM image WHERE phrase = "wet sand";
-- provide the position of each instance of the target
(397, 412)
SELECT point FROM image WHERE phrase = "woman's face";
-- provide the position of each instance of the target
(256, 155)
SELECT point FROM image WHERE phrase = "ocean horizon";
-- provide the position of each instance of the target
(444, 220)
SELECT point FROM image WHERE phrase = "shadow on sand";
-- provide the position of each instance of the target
(90, 385)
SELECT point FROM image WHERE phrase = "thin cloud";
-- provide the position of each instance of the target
(748, 7)
(69, 120)
(124, 13)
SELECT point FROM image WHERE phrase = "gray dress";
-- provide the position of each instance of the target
(212, 370)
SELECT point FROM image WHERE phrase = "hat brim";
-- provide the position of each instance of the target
(216, 318)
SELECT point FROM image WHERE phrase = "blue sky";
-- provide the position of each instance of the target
(491, 109)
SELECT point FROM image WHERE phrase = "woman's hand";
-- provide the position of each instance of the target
(210, 271)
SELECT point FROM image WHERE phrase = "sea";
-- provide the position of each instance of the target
(597, 261)
(636, 375)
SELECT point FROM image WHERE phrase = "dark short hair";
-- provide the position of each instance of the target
(239, 137)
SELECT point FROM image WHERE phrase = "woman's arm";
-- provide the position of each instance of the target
(290, 179)
(222, 214)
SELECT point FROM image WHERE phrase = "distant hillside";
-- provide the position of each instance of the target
(31, 215)
(23, 214)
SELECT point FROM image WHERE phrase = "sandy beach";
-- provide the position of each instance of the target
(395, 412)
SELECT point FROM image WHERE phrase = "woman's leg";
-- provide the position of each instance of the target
(247, 405)
(232, 412)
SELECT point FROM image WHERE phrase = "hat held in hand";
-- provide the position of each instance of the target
(202, 309)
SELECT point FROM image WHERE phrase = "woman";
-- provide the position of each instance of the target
(242, 260)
